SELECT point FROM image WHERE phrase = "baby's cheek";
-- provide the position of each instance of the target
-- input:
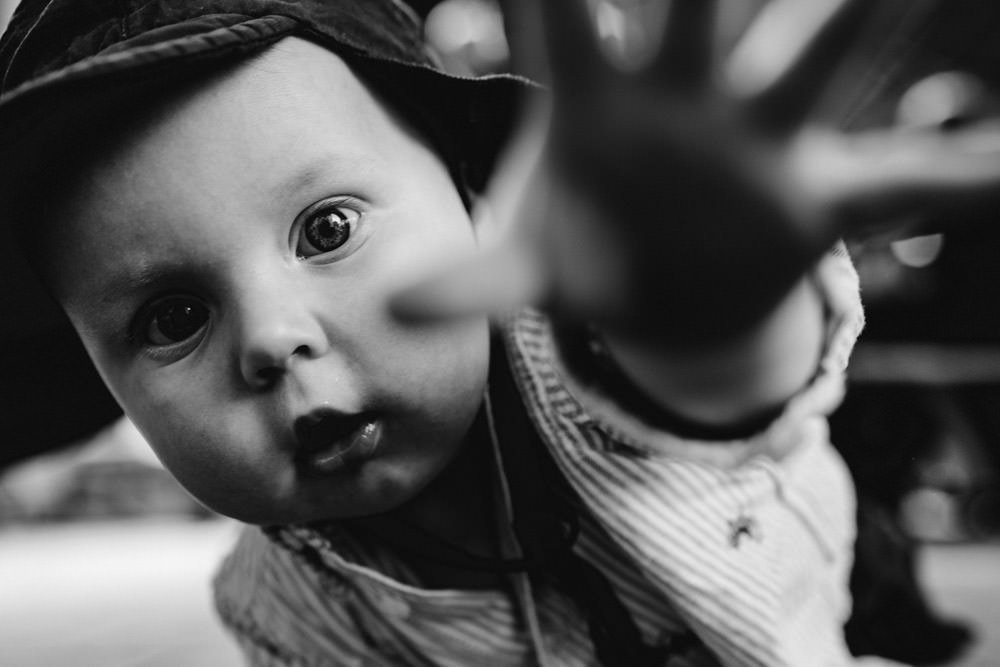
(222, 457)
(181, 426)
(453, 358)
(178, 437)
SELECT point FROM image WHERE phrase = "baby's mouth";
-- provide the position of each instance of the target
(330, 441)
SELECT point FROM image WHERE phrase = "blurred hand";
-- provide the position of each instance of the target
(683, 199)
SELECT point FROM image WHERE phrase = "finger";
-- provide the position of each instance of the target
(937, 174)
(686, 51)
(946, 100)
(576, 60)
(496, 282)
(507, 220)
(522, 24)
(790, 54)
(733, 20)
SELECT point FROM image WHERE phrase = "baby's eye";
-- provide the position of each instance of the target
(326, 227)
(172, 319)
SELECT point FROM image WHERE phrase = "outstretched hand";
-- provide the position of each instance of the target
(697, 189)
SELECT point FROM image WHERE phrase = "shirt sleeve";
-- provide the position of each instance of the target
(550, 380)
(751, 540)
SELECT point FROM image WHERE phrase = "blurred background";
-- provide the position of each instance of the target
(104, 560)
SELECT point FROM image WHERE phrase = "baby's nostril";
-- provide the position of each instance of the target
(267, 376)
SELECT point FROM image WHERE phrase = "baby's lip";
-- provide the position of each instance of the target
(330, 440)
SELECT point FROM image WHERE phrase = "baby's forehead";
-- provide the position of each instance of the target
(296, 108)
(291, 90)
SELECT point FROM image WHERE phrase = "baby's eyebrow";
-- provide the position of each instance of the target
(125, 281)
(324, 168)
(329, 170)
(114, 297)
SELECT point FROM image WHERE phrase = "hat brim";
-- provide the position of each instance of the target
(51, 393)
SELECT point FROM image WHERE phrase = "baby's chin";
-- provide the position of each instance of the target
(374, 487)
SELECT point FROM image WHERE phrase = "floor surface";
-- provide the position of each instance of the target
(136, 594)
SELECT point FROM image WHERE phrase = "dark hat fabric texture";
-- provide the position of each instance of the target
(65, 63)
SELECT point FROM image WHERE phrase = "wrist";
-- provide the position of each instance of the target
(745, 380)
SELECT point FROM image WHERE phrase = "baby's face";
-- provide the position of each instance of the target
(229, 271)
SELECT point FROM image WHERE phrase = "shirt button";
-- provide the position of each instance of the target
(393, 606)
(336, 583)
(665, 637)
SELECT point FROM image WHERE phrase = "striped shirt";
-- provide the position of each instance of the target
(747, 543)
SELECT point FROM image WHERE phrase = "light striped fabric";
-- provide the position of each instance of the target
(774, 594)
(656, 521)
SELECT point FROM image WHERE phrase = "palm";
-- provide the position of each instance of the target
(707, 177)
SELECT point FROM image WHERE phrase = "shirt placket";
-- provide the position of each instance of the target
(510, 548)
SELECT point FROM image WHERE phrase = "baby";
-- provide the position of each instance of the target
(254, 184)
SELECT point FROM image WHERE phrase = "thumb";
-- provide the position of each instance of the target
(510, 273)
(935, 173)
(494, 282)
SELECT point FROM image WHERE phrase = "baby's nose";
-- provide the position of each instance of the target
(274, 334)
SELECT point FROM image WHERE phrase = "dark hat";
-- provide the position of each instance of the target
(65, 63)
